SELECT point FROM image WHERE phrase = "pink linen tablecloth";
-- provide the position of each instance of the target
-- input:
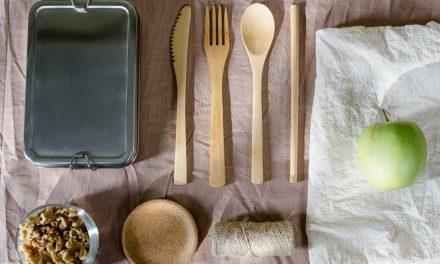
(110, 194)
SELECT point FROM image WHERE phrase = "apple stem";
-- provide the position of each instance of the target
(385, 114)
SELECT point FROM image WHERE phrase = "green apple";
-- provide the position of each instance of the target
(392, 155)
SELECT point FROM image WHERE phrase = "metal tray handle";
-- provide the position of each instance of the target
(81, 155)
(86, 4)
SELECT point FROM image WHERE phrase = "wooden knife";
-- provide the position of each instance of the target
(179, 54)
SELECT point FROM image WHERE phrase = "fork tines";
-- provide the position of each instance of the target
(216, 25)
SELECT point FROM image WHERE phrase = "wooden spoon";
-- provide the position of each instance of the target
(257, 32)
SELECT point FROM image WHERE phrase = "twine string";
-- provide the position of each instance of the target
(244, 222)
(247, 238)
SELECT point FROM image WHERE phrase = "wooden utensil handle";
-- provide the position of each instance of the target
(217, 175)
(294, 67)
(180, 169)
(257, 126)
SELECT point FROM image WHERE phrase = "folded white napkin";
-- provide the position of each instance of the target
(358, 70)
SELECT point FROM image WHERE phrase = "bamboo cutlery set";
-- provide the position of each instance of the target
(257, 33)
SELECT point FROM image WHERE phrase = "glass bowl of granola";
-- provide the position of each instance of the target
(57, 233)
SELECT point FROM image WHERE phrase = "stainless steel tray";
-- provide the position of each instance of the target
(82, 84)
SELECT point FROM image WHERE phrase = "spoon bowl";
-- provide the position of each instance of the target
(257, 29)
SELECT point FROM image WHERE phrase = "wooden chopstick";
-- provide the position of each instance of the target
(294, 68)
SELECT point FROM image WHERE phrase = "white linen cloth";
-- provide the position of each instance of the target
(358, 70)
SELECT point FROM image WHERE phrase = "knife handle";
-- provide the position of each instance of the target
(180, 169)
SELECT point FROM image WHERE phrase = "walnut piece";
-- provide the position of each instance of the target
(55, 235)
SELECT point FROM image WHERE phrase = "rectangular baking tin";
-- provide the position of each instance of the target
(82, 84)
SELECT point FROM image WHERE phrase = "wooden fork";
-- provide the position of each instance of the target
(217, 49)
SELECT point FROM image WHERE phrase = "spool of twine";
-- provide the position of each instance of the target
(244, 238)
